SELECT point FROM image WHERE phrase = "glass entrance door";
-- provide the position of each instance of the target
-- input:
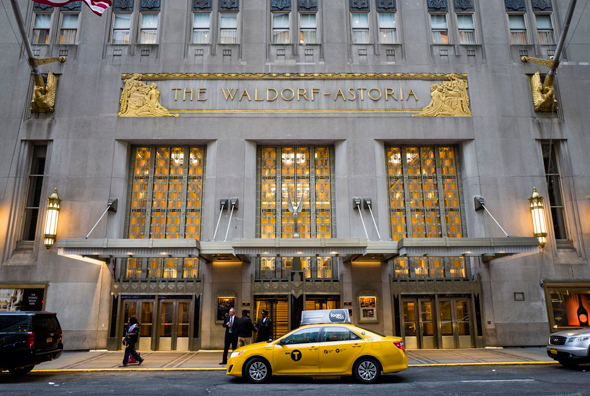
(278, 309)
(455, 323)
(143, 310)
(174, 325)
(418, 323)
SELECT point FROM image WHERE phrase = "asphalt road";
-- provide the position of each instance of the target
(474, 380)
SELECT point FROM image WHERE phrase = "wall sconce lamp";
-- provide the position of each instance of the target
(51, 219)
(538, 214)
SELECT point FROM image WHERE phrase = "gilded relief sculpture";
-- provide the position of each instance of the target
(543, 96)
(141, 100)
(44, 94)
(449, 99)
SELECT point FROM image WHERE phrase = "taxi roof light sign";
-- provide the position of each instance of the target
(325, 316)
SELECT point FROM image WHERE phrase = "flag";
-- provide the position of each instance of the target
(97, 6)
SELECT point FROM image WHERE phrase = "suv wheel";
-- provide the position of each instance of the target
(21, 370)
(366, 370)
(257, 371)
(569, 363)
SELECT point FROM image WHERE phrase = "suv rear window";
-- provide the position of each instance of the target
(14, 323)
(47, 324)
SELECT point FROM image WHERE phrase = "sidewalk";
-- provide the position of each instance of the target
(209, 360)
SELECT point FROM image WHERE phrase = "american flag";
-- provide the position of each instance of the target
(97, 6)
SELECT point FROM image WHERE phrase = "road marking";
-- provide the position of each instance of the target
(506, 380)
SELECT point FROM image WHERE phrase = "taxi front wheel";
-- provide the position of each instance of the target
(257, 371)
(366, 370)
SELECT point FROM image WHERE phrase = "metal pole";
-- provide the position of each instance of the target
(486, 209)
(566, 26)
(231, 213)
(362, 221)
(104, 213)
(374, 222)
(23, 33)
(218, 220)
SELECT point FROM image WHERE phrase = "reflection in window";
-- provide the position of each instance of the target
(228, 29)
(440, 30)
(517, 29)
(121, 29)
(148, 31)
(41, 27)
(201, 28)
(69, 28)
(305, 336)
(544, 30)
(313, 267)
(165, 202)
(280, 28)
(466, 29)
(387, 32)
(360, 28)
(308, 27)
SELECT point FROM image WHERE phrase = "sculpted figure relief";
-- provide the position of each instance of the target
(141, 100)
(44, 94)
(543, 96)
(449, 99)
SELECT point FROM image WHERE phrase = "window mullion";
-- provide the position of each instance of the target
(183, 204)
(279, 194)
(312, 193)
(406, 193)
(441, 195)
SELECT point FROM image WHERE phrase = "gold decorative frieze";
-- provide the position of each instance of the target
(449, 99)
(141, 100)
(292, 76)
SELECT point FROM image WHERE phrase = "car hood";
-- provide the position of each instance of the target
(573, 333)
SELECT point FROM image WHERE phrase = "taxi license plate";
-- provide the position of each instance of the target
(553, 351)
(49, 339)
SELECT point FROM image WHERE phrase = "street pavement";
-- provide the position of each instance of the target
(540, 379)
(209, 360)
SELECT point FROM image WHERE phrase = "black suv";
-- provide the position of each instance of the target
(27, 339)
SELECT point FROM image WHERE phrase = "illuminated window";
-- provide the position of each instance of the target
(425, 202)
(360, 28)
(41, 28)
(387, 32)
(165, 203)
(201, 28)
(440, 29)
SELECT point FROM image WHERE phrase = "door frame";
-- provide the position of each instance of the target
(454, 319)
(174, 335)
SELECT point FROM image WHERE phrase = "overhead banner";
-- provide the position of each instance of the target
(172, 94)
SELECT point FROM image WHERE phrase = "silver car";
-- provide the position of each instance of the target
(570, 347)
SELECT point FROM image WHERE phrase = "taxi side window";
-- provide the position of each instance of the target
(304, 336)
(332, 334)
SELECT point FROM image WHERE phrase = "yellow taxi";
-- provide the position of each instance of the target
(330, 345)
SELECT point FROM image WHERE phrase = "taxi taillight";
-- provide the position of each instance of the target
(399, 344)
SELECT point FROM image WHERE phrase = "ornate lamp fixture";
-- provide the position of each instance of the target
(538, 214)
(51, 218)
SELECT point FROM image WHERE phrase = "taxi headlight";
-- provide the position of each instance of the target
(236, 354)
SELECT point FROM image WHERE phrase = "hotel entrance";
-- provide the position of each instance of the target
(430, 323)
(278, 311)
(166, 323)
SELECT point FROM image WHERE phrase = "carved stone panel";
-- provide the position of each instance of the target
(515, 5)
(123, 5)
(150, 5)
(202, 5)
(542, 5)
(359, 5)
(280, 5)
(73, 6)
(42, 7)
(229, 5)
(307, 5)
(386, 5)
(464, 5)
(437, 5)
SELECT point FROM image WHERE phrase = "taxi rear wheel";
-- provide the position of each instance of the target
(367, 370)
(257, 371)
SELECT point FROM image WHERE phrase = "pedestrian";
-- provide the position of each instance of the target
(264, 327)
(245, 329)
(230, 322)
(131, 337)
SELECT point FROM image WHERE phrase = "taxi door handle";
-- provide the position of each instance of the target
(313, 348)
(356, 346)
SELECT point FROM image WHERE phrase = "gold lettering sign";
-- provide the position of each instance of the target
(182, 93)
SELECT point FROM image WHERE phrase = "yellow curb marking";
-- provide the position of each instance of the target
(223, 369)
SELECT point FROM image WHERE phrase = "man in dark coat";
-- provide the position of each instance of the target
(264, 326)
(245, 329)
(230, 322)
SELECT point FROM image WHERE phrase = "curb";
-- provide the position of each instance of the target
(90, 370)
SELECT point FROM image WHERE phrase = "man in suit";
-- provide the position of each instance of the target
(264, 326)
(230, 323)
(245, 329)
